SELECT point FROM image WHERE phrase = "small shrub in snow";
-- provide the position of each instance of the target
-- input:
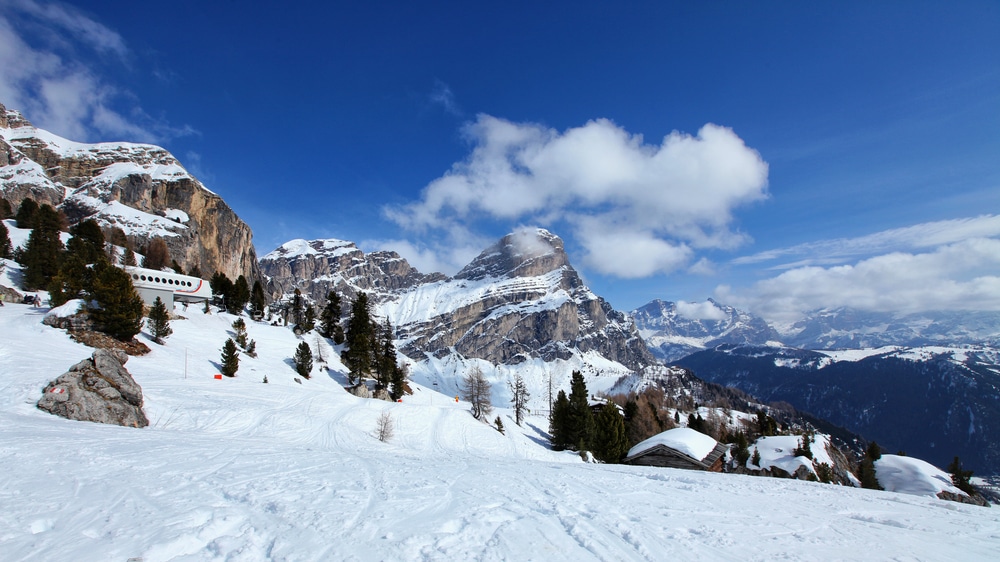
(384, 427)
(499, 424)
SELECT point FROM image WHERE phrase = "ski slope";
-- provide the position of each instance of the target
(238, 470)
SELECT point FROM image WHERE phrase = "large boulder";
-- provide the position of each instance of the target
(98, 389)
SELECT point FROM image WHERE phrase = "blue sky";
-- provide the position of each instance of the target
(779, 156)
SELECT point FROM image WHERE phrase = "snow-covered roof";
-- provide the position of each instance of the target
(682, 439)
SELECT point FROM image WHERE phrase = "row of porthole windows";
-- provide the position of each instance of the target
(138, 277)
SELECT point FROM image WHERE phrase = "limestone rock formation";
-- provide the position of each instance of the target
(98, 389)
(139, 188)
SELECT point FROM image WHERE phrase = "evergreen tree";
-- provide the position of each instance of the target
(239, 297)
(73, 279)
(298, 307)
(303, 360)
(159, 321)
(120, 307)
(44, 248)
(329, 318)
(741, 452)
(129, 257)
(87, 242)
(157, 255)
(257, 300)
(519, 397)
(697, 423)
(755, 459)
(222, 287)
(251, 349)
(6, 249)
(609, 443)
(499, 425)
(961, 478)
(866, 471)
(581, 420)
(359, 355)
(309, 318)
(195, 271)
(805, 446)
(476, 389)
(559, 423)
(398, 382)
(5, 209)
(230, 358)
(25, 217)
(240, 330)
(385, 363)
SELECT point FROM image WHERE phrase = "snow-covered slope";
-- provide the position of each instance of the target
(845, 328)
(238, 470)
(675, 329)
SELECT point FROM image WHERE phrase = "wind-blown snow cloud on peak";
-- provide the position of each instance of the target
(637, 209)
(700, 311)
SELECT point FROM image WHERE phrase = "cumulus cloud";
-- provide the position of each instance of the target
(957, 276)
(447, 256)
(700, 311)
(42, 49)
(637, 209)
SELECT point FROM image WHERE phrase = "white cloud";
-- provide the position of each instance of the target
(919, 236)
(443, 96)
(638, 209)
(43, 46)
(446, 257)
(700, 311)
(958, 276)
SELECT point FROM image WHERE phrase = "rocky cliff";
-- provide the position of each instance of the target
(139, 188)
(519, 300)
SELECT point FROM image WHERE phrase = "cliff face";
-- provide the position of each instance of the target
(139, 188)
(520, 299)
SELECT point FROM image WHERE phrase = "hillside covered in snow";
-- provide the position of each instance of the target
(237, 469)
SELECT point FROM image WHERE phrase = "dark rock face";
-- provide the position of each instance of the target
(85, 180)
(98, 389)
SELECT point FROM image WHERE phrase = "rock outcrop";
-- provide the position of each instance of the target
(98, 389)
(139, 188)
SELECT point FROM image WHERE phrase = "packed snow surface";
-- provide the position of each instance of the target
(688, 441)
(238, 470)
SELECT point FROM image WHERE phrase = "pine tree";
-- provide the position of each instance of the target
(303, 360)
(159, 321)
(297, 307)
(74, 278)
(6, 248)
(5, 209)
(359, 355)
(581, 420)
(755, 459)
(329, 319)
(608, 442)
(961, 478)
(805, 449)
(129, 257)
(519, 397)
(866, 471)
(251, 349)
(230, 358)
(257, 300)
(239, 297)
(499, 425)
(559, 423)
(87, 242)
(398, 382)
(222, 287)
(25, 217)
(385, 361)
(240, 331)
(120, 307)
(475, 389)
(44, 248)
(741, 453)
(309, 319)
